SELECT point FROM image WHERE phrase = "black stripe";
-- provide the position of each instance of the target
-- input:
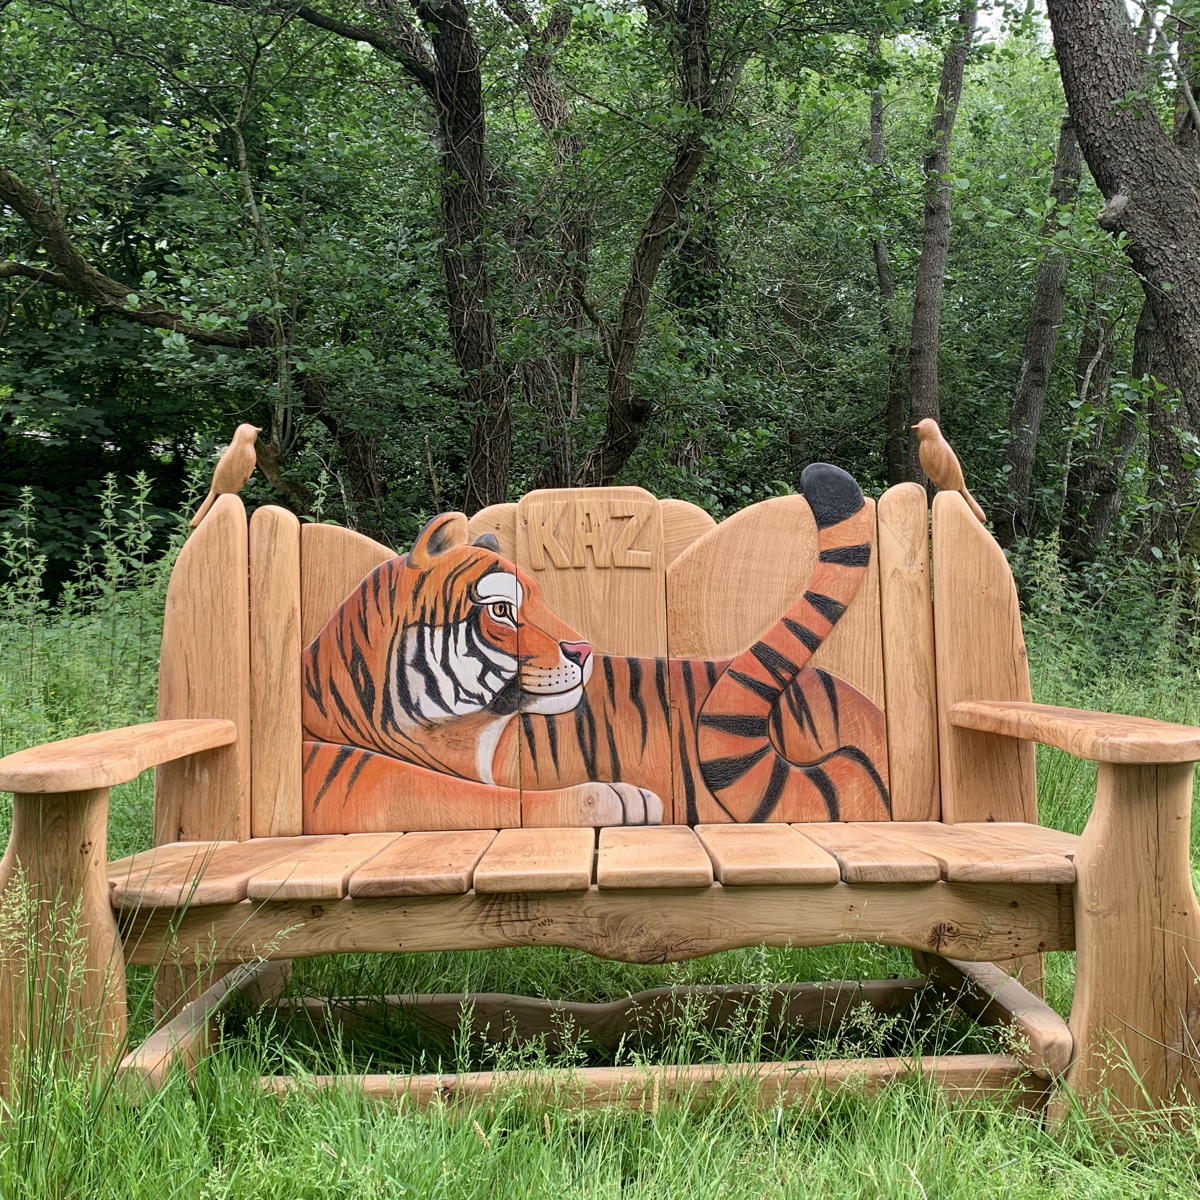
(781, 667)
(830, 686)
(361, 681)
(585, 735)
(660, 684)
(762, 690)
(855, 755)
(635, 692)
(613, 757)
(345, 711)
(847, 556)
(710, 670)
(552, 740)
(827, 606)
(802, 633)
(828, 792)
(308, 758)
(312, 677)
(530, 740)
(689, 686)
(689, 782)
(400, 676)
(609, 681)
(774, 789)
(720, 773)
(741, 726)
(338, 762)
(358, 766)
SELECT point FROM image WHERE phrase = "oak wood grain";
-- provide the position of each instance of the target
(204, 672)
(333, 561)
(537, 860)
(650, 856)
(1099, 736)
(275, 732)
(318, 871)
(910, 676)
(765, 854)
(101, 760)
(423, 864)
(865, 857)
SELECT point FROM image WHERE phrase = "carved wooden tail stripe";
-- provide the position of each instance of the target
(734, 740)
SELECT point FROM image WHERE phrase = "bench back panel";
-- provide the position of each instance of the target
(980, 656)
(241, 610)
(205, 672)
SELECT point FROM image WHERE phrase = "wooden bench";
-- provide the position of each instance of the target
(599, 720)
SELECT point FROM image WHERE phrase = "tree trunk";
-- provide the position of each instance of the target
(627, 413)
(1041, 340)
(458, 100)
(935, 243)
(896, 395)
(1152, 190)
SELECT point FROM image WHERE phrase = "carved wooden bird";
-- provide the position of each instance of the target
(941, 464)
(232, 470)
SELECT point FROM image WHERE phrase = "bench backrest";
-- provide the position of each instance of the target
(636, 577)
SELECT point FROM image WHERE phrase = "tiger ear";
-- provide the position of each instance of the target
(445, 531)
(488, 541)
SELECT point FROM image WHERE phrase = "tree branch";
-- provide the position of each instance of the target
(76, 275)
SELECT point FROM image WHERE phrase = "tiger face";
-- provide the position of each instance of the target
(450, 631)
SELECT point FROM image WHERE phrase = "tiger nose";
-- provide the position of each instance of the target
(576, 652)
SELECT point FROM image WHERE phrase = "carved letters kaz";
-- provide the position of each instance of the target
(562, 533)
(470, 685)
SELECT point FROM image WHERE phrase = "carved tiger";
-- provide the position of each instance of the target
(445, 676)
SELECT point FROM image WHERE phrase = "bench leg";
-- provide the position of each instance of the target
(1137, 928)
(62, 971)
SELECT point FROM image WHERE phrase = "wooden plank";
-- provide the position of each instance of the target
(980, 653)
(656, 1012)
(537, 860)
(596, 555)
(113, 756)
(1099, 736)
(216, 873)
(1133, 1018)
(1029, 837)
(664, 856)
(320, 871)
(205, 672)
(683, 523)
(972, 855)
(864, 857)
(738, 579)
(975, 921)
(192, 1033)
(423, 864)
(1042, 1040)
(333, 561)
(275, 736)
(500, 520)
(910, 677)
(774, 1085)
(765, 854)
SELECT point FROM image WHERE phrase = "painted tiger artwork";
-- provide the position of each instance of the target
(445, 694)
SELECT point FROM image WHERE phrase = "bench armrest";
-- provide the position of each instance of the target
(1101, 737)
(100, 760)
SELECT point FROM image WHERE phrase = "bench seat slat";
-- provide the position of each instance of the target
(652, 856)
(537, 860)
(764, 854)
(182, 874)
(1030, 837)
(865, 855)
(423, 864)
(320, 871)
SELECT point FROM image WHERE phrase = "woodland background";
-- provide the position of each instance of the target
(449, 250)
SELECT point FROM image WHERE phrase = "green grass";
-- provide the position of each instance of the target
(89, 663)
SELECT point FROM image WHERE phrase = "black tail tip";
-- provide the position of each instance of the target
(831, 493)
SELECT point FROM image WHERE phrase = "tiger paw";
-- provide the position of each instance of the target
(616, 804)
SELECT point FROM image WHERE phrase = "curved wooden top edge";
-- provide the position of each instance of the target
(100, 760)
(1100, 737)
